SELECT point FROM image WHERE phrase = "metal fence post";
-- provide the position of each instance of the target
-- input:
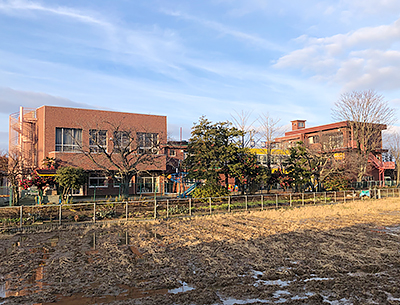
(209, 199)
(60, 215)
(190, 206)
(262, 202)
(392, 192)
(126, 211)
(155, 208)
(245, 199)
(325, 196)
(20, 216)
(290, 199)
(94, 212)
(276, 195)
(314, 197)
(387, 193)
(302, 198)
(229, 204)
(354, 195)
(167, 208)
(344, 196)
(335, 195)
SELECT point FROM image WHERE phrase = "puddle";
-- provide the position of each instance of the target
(279, 283)
(306, 296)
(231, 301)
(319, 279)
(278, 295)
(128, 294)
(185, 287)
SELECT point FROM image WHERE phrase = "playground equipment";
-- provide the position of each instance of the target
(178, 179)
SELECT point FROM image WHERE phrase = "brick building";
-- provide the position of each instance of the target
(64, 133)
(337, 137)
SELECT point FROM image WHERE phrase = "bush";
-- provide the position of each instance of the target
(209, 190)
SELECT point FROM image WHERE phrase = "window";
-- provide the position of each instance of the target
(147, 142)
(172, 152)
(148, 184)
(117, 181)
(97, 140)
(121, 141)
(300, 124)
(97, 180)
(68, 139)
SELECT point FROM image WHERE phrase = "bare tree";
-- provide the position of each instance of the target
(392, 142)
(15, 172)
(241, 120)
(269, 129)
(367, 114)
(123, 152)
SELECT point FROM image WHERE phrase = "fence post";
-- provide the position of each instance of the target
(229, 204)
(325, 196)
(302, 198)
(245, 199)
(20, 216)
(94, 212)
(209, 199)
(354, 195)
(399, 192)
(276, 195)
(387, 193)
(60, 215)
(262, 202)
(126, 211)
(155, 208)
(167, 208)
(290, 199)
(392, 192)
(344, 196)
(379, 193)
(335, 195)
(190, 206)
(314, 197)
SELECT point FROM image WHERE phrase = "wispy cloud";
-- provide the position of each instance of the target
(225, 30)
(21, 5)
(359, 59)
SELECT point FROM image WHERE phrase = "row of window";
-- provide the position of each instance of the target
(70, 140)
(144, 184)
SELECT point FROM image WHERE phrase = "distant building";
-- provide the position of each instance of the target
(337, 137)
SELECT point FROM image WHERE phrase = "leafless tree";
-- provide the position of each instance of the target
(15, 172)
(367, 114)
(392, 143)
(242, 121)
(269, 129)
(123, 153)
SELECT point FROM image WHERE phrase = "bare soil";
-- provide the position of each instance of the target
(338, 254)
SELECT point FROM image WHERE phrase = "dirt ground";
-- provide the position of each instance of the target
(336, 254)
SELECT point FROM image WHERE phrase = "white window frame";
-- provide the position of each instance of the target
(98, 178)
(145, 138)
(76, 136)
(95, 140)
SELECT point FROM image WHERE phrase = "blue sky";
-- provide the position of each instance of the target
(185, 59)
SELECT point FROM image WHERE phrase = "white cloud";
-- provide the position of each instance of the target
(12, 6)
(225, 30)
(360, 59)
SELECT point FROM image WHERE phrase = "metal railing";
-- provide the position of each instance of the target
(22, 216)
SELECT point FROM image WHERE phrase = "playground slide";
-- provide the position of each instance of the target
(189, 190)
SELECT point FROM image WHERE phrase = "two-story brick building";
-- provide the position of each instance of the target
(65, 133)
(338, 137)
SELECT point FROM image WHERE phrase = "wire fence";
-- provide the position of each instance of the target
(23, 216)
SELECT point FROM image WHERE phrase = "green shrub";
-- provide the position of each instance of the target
(209, 190)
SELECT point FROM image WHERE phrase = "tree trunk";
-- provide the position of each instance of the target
(124, 186)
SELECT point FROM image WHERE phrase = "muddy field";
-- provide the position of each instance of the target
(337, 254)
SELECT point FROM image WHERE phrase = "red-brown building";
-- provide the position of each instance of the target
(63, 133)
(338, 137)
